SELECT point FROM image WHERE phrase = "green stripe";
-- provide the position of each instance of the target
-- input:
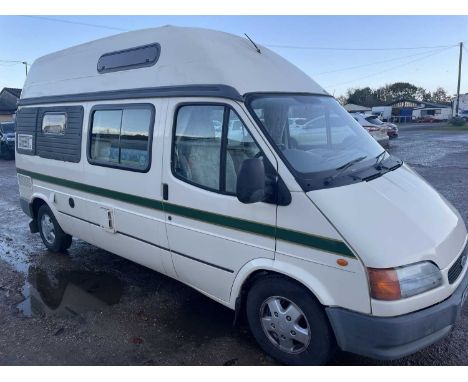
(313, 241)
(301, 238)
(132, 199)
(222, 220)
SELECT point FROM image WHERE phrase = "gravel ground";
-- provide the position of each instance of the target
(90, 307)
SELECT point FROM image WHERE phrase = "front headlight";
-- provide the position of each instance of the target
(402, 282)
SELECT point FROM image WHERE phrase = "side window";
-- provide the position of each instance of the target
(240, 146)
(210, 145)
(134, 138)
(105, 135)
(121, 137)
(54, 123)
(197, 145)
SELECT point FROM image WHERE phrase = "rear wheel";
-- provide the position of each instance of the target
(288, 322)
(51, 233)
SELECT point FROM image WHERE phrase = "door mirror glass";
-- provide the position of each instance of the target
(251, 181)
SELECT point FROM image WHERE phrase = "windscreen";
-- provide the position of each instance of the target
(328, 138)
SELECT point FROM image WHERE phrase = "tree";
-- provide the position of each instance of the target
(440, 96)
(402, 90)
(363, 97)
(343, 100)
(392, 92)
(422, 94)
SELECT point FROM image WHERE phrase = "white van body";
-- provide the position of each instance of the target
(463, 105)
(385, 112)
(440, 114)
(324, 235)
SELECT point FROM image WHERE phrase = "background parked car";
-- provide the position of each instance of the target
(314, 130)
(7, 140)
(379, 133)
(392, 129)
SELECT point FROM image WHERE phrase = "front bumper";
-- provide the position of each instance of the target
(395, 337)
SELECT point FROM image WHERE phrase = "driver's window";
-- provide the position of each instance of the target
(208, 148)
(240, 146)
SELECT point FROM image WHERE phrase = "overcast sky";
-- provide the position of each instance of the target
(337, 65)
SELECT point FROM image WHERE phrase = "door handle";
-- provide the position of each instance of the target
(165, 191)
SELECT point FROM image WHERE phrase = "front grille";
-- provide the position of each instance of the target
(457, 267)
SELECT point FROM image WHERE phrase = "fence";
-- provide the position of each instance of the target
(401, 118)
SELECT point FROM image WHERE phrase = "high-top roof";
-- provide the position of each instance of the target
(188, 56)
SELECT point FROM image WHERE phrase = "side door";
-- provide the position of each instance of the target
(211, 234)
(113, 198)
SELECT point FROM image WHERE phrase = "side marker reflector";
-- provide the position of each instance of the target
(342, 262)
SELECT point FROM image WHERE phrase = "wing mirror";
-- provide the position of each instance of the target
(257, 184)
(251, 181)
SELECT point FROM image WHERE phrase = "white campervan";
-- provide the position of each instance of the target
(173, 147)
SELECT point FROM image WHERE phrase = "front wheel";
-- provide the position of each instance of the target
(288, 323)
(51, 233)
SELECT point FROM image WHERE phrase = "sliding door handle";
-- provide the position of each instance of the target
(165, 191)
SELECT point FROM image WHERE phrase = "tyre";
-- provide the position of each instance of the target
(52, 235)
(288, 322)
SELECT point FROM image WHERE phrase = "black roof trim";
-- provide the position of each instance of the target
(221, 91)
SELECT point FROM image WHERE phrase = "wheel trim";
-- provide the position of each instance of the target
(48, 228)
(285, 325)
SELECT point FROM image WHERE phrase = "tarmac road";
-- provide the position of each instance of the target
(89, 307)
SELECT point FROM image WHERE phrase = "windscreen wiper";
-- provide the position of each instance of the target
(380, 166)
(379, 159)
(394, 167)
(343, 168)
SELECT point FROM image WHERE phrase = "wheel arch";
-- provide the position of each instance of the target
(39, 198)
(259, 268)
(36, 201)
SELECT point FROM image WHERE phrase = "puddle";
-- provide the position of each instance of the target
(54, 285)
(68, 292)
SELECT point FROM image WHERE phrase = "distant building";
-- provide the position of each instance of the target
(352, 108)
(405, 110)
(8, 103)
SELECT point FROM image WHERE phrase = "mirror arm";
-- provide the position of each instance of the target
(283, 195)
